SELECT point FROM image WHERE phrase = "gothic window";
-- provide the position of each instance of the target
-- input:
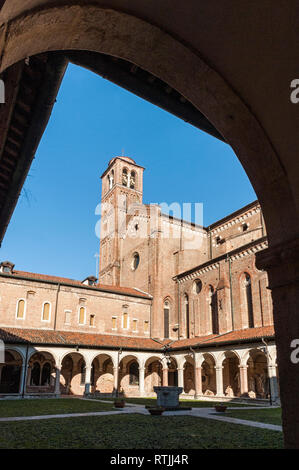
(35, 374)
(146, 325)
(46, 374)
(166, 318)
(46, 312)
(248, 300)
(134, 374)
(125, 177)
(135, 325)
(91, 320)
(111, 179)
(197, 286)
(21, 309)
(213, 310)
(136, 261)
(187, 316)
(113, 323)
(132, 180)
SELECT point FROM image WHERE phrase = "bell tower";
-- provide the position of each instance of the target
(122, 186)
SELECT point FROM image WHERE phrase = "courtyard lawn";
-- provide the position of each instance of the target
(135, 432)
(269, 416)
(184, 402)
(37, 407)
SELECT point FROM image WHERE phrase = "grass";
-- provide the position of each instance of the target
(135, 432)
(269, 416)
(51, 406)
(192, 403)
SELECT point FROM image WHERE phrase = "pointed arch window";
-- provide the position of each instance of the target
(213, 310)
(125, 177)
(35, 374)
(248, 300)
(132, 180)
(46, 374)
(187, 315)
(166, 318)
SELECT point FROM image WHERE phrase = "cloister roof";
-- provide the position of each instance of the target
(67, 338)
(131, 291)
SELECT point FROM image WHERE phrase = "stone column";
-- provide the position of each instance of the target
(87, 380)
(141, 382)
(273, 383)
(181, 377)
(22, 378)
(282, 265)
(57, 381)
(165, 377)
(115, 376)
(219, 381)
(198, 382)
(243, 380)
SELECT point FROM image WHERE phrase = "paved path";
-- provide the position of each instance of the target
(131, 408)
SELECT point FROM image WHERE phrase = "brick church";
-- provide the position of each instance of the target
(175, 303)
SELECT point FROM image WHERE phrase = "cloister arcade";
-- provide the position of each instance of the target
(246, 372)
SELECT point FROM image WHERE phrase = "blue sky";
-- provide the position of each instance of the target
(52, 228)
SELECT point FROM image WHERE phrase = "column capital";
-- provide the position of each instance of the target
(243, 366)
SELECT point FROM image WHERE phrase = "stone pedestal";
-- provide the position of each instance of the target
(168, 397)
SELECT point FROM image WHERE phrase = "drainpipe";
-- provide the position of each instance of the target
(56, 306)
(231, 292)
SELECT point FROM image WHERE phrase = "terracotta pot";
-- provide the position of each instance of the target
(119, 404)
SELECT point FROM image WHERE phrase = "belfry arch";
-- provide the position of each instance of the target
(94, 30)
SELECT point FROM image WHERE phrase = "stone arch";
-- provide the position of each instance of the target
(102, 373)
(126, 385)
(41, 372)
(102, 30)
(73, 366)
(153, 374)
(99, 30)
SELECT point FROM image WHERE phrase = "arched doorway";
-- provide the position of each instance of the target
(129, 376)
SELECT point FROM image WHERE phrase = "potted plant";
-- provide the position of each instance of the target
(220, 407)
(156, 410)
(119, 403)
